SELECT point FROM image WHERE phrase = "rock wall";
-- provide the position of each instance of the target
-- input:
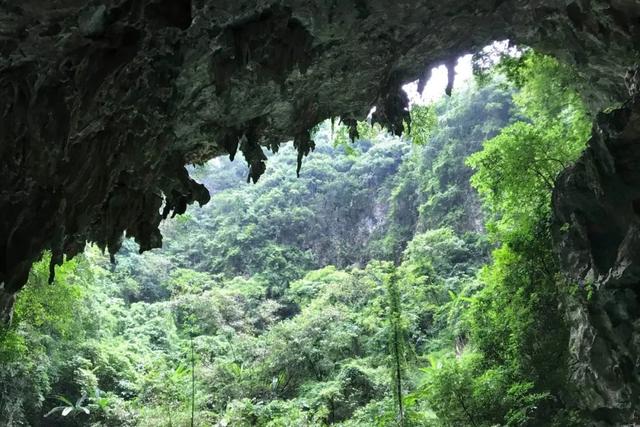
(597, 235)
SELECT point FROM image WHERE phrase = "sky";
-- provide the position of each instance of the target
(436, 85)
(434, 89)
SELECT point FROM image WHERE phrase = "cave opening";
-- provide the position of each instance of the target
(484, 274)
(394, 271)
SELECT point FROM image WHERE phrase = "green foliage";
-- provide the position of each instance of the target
(397, 344)
(431, 189)
(462, 392)
(341, 134)
(424, 120)
(69, 408)
(507, 376)
(516, 170)
(48, 325)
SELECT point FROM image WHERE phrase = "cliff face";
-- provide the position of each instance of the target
(597, 214)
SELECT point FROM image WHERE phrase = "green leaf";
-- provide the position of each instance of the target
(54, 410)
(64, 400)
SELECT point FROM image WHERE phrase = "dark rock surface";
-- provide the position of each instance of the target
(103, 102)
(597, 235)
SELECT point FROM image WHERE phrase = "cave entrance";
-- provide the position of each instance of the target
(394, 272)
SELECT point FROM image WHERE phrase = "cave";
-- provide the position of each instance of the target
(104, 103)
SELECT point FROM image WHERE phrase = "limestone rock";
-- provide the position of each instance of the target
(632, 80)
(597, 235)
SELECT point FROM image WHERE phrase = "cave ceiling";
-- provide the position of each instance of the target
(102, 103)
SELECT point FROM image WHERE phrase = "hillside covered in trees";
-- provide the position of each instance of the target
(399, 281)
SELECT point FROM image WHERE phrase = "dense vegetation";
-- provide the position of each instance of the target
(393, 283)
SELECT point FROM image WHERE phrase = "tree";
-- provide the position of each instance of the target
(516, 170)
(397, 342)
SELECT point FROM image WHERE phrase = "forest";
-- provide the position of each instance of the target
(398, 281)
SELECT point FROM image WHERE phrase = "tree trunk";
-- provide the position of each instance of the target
(7, 299)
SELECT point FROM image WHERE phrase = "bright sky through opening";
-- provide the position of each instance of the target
(434, 89)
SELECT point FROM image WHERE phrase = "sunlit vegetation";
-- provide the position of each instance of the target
(392, 284)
